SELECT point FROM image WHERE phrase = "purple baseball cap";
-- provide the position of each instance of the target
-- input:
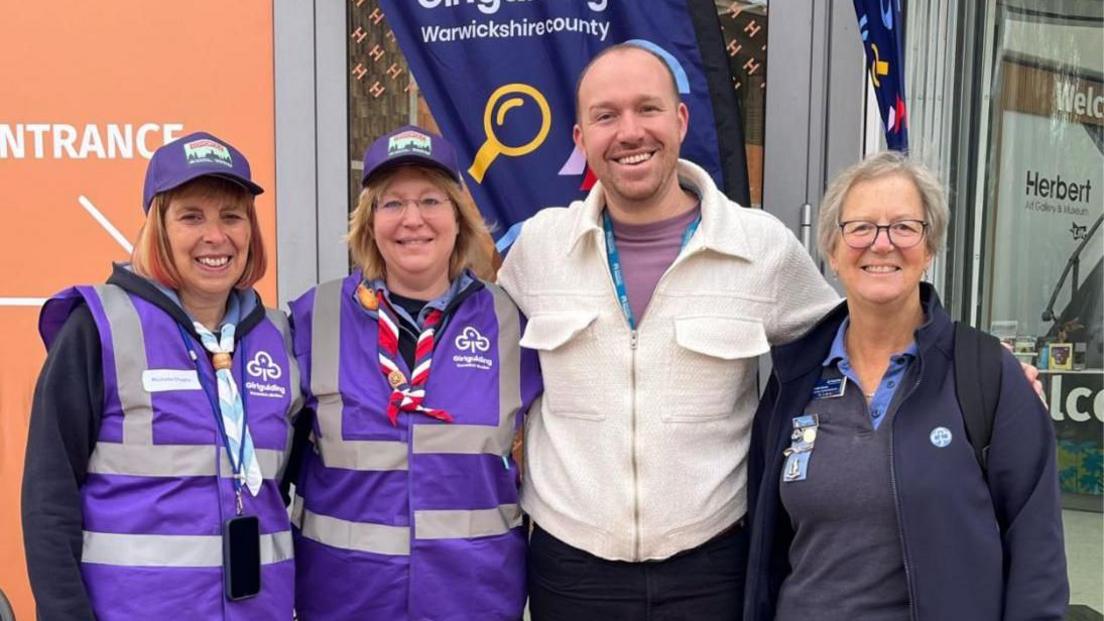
(410, 145)
(195, 155)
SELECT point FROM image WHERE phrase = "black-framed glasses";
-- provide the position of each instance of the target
(861, 234)
(427, 205)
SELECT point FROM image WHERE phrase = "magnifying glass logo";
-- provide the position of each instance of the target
(493, 147)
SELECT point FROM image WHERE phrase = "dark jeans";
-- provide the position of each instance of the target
(702, 584)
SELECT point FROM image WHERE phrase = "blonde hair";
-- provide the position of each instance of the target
(470, 252)
(152, 254)
(884, 164)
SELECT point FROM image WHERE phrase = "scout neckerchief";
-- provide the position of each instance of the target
(406, 395)
(238, 440)
(614, 259)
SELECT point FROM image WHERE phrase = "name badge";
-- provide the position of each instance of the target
(829, 388)
(164, 380)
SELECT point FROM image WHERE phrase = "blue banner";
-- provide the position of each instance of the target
(883, 34)
(499, 77)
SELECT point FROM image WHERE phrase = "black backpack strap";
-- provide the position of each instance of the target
(977, 363)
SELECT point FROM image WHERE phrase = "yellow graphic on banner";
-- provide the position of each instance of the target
(493, 147)
(878, 67)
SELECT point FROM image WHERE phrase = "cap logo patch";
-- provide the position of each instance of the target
(207, 151)
(409, 142)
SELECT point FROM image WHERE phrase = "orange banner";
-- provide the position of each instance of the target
(90, 90)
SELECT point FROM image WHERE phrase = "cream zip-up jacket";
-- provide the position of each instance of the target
(639, 448)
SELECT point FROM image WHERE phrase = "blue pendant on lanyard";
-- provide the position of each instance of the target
(614, 259)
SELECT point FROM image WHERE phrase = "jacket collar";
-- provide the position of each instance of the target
(123, 277)
(721, 229)
(797, 358)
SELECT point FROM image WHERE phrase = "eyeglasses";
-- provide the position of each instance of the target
(427, 205)
(861, 234)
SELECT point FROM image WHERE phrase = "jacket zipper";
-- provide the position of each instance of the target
(634, 334)
(633, 339)
(897, 499)
(636, 478)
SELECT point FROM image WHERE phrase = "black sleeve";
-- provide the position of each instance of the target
(300, 444)
(65, 422)
(760, 445)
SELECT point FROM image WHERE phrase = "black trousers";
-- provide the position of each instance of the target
(705, 583)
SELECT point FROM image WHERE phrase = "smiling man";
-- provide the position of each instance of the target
(649, 302)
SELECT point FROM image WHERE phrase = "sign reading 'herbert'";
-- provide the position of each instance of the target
(1056, 187)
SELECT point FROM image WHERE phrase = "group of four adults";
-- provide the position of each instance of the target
(164, 413)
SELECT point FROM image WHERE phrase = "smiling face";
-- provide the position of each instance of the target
(630, 126)
(881, 274)
(209, 237)
(416, 243)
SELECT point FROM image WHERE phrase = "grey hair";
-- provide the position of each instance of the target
(932, 197)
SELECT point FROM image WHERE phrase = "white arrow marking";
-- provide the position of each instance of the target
(106, 224)
(22, 301)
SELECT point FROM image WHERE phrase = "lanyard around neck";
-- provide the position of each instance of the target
(212, 397)
(614, 259)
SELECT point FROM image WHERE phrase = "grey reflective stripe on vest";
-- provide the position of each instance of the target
(395, 540)
(174, 550)
(173, 460)
(130, 360)
(348, 535)
(295, 401)
(325, 362)
(462, 524)
(280, 320)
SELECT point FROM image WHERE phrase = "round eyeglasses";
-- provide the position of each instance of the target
(860, 234)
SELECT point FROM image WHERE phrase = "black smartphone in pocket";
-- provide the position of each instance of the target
(241, 556)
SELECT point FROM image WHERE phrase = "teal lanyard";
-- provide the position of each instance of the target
(614, 259)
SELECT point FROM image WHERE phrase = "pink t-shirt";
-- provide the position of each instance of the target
(646, 251)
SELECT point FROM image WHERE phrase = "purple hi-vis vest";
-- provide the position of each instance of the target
(158, 487)
(419, 520)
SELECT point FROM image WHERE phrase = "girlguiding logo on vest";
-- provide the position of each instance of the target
(471, 341)
(264, 368)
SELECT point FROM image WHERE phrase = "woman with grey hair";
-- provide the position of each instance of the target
(866, 496)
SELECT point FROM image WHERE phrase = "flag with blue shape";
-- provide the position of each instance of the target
(881, 26)
(499, 77)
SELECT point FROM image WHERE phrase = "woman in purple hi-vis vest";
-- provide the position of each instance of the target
(162, 415)
(406, 502)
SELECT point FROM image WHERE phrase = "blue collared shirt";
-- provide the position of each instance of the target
(883, 396)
